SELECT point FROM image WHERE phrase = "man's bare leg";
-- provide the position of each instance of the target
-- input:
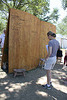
(48, 76)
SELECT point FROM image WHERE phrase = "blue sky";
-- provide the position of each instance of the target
(57, 4)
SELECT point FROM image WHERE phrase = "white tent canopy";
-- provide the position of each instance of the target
(62, 40)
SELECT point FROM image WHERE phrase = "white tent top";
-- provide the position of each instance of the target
(61, 36)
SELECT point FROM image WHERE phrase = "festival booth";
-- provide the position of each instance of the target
(25, 41)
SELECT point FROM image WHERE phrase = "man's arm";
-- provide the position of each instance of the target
(0, 40)
(49, 52)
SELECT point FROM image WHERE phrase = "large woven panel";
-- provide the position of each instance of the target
(27, 40)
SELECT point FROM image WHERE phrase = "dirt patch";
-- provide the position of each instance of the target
(29, 87)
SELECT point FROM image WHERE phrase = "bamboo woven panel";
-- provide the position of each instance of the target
(27, 40)
(23, 40)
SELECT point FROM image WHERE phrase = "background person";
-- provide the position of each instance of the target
(2, 39)
(65, 58)
(59, 55)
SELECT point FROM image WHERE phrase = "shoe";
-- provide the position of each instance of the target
(50, 83)
(46, 87)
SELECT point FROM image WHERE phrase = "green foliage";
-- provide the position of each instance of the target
(64, 4)
(39, 8)
(53, 17)
(62, 27)
(2, 22)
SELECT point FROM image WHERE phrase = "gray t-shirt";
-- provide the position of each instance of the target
(55, 45)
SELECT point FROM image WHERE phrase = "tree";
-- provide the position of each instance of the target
(2, 22)
(64, 4)
(53, 17)
(35, 7)
(62, 27)
(39, 8)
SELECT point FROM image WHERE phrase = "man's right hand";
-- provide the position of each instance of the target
(0, 40)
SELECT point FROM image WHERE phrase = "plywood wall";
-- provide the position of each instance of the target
(27, 40)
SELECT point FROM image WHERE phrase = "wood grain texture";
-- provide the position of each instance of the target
(27, 40)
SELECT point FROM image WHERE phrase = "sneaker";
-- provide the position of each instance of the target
(46, 87)
(50, 83)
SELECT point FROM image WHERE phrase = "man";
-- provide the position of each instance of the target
(50, 59)
(2, 38)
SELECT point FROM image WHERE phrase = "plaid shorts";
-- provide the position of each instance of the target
(50, 63)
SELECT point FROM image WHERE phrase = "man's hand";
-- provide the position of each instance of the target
(0, 40)
(49, 52)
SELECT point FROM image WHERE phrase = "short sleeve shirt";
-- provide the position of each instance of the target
(55, 45)
(2, 36)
